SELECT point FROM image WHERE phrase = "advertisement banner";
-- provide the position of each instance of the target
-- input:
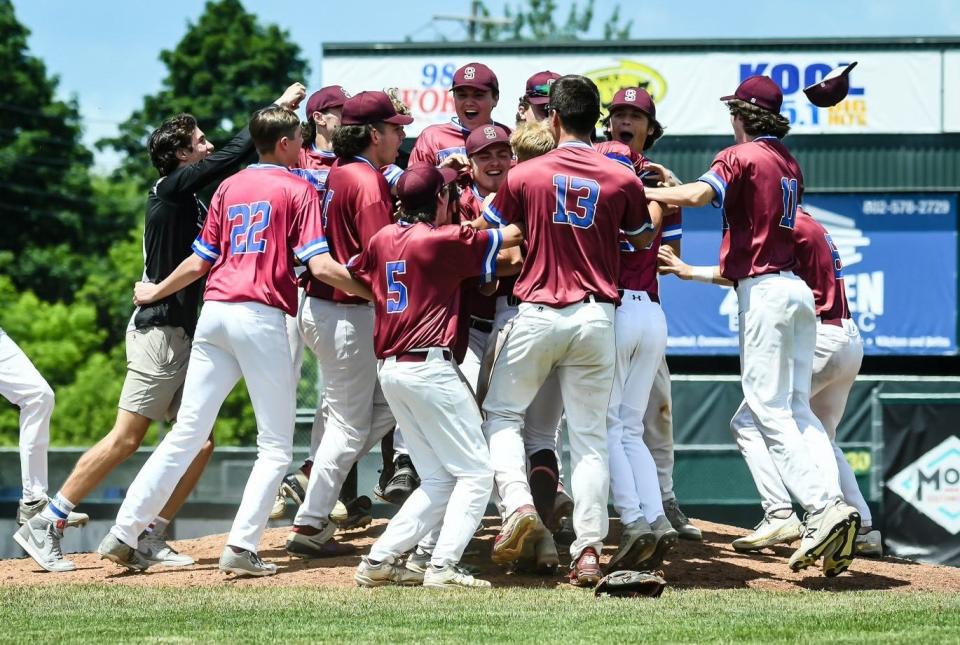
(899, 254)
(895, 92)
(951, 91)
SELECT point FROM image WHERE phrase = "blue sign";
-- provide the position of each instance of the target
(899, 254)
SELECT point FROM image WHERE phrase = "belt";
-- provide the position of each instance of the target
(592, 297)
(650, 294)
(481, 324)
(736, 283)
(418, 356)
(513, 301)
(836, 322)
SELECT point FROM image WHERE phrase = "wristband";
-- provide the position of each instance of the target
(702, 274)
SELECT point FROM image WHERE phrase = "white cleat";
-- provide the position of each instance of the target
(452, 576)
(770, 531)
(245, 563)
(154, 548)
(386, 573)
(869, 544)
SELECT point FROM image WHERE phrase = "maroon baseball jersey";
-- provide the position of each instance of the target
(357, 204)
(314, 166)
(758, 185)
(818, 263)
(574, 201)
(256, 218)
(437, 142)
(416, 273)
(475, 303)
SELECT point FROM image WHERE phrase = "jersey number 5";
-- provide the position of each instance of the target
(583, 194)
(789, 188)
(249, 222)
(396, 290)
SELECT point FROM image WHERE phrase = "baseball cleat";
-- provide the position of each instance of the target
(585, 570)
(404, 481)
(869, 544)
(40, 538)
(26, 510)
(838, 557)
(637, 543)
(666, 538)
(821, 530)
(294, 486)
(386, 573)
(279, 508)
(245, 563)
(117, 552)
(562, 507)
(770, 531)
(419, 560)
(564, 535)
(154, 548)
(680, 522)
(339, 513)
(539, 553)
(452, 576)
(359, 514)
(519, 527)
(310, 542)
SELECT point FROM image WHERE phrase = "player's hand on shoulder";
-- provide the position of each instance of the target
(456, 161)
(665, 176)
(144, 293)
(292, 96)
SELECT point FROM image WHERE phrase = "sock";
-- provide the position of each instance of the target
(306, 467)
(158, 526)
(348, 492)
(57, 509)
(543, 483)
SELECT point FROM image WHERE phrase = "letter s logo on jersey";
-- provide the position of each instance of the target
(851, 113)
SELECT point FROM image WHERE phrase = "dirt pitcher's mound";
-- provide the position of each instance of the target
(711, 564)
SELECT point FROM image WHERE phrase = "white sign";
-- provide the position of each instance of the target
(895, 92)
(951, 91)
(931, 484)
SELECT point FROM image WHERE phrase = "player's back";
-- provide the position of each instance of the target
(257, 216)
(763, 184)
(819, 265)
(574, 202)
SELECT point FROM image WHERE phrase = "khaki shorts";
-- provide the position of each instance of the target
(156, 368)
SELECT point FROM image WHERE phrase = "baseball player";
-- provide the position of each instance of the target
(573, 202)
(338, 327)
(535, 97)
(758, 184)
(158, 335)
(259, 220)
(837, 359)
(23, 386)
(415, 269)
(634, 123)
(476, 92)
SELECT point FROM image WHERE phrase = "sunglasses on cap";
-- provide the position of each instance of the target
(540, 90)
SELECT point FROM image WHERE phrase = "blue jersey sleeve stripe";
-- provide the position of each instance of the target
(314, 248)
(311, 243)
(492, 215)
(719, 186)
(494, 242)
(214, 251)
(392, 174)
(203, 253)
(620, 159)
(674, 232)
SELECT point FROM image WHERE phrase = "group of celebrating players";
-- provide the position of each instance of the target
(504, 286)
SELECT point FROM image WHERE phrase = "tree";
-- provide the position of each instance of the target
(536, 23)
(51, 229)
(226, 66)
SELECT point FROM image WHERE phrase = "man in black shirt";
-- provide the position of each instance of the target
(159, 334)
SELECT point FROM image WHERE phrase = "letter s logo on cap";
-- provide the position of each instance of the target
(489, 132)
(469, 73)
(630, 95)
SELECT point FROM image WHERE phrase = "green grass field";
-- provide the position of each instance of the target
(249, 614)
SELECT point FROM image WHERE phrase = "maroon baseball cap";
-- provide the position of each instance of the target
(832, 88)
(538, 87)
(372, 107)
(419, 185)
(761, 91)
(331, 96)
(476, 75)
(635, 97)
(486, 136)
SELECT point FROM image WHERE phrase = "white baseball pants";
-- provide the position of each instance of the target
(641, 333)
(442, 424)
(578, 342)
(233, 340)
(836, 364)
(297, 347)
(658, 429)
(777, 340)
(23, 386)
(357, 415)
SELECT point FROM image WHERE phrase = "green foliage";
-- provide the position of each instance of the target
(226, 66)
(536, 22)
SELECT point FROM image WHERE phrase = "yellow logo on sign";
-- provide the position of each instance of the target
(628, 74)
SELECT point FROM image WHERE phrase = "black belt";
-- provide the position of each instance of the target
(513, 301)
(418, 356)
(736, 283)
(481, 324)
(653, 296)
